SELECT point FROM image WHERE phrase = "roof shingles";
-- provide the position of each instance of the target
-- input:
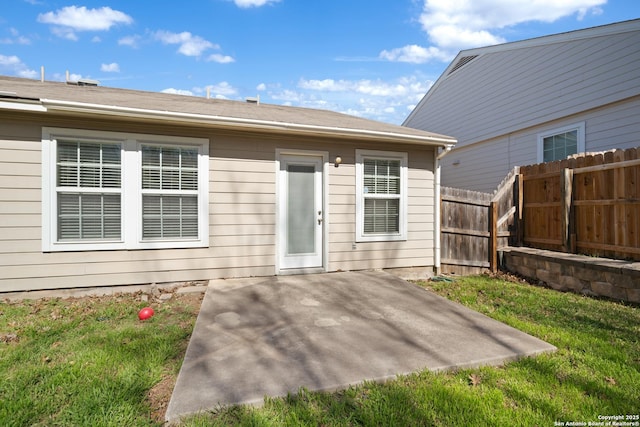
(207, 108)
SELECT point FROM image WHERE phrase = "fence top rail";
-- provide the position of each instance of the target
(584, 163)
(584, 169)
(541, 175)
(595, 168)
(506, 185)
(464, 200)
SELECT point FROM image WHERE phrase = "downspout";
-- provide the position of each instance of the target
(437, 157)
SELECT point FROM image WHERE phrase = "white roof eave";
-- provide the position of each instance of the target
(237, 122)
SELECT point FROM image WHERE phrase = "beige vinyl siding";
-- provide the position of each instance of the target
(242, 206)
(416, 251)
(20, 208)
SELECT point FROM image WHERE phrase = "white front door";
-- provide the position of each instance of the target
(300, 212)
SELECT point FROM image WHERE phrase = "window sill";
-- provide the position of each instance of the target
(381, 238)
(120, 246)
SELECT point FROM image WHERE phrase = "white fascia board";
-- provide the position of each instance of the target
(22, 106)
(267, 125)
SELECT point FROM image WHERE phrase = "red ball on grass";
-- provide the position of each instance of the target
(145, 313)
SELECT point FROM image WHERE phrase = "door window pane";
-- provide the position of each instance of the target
(301, 215)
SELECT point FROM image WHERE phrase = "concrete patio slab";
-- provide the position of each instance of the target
(270, 336)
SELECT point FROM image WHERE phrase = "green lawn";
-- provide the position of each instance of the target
(92, 362)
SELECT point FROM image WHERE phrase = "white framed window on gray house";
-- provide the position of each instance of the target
(381, 196)
(110, 190)
(558, 144)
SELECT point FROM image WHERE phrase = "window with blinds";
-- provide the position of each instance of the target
(381, 195)
(88, 191)
(169, 192)
(114, 190)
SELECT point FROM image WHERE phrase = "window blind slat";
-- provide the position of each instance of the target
(88, 165)
(89, 216)
(169, 168)
(381, 176)
(381, 215)
(169, 216)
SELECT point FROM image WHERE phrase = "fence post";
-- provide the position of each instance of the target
(519, 188)
(567, 204)
(493, 237)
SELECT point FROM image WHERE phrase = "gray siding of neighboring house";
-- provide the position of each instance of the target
(242, 208)
(482, 166)
(497, 103)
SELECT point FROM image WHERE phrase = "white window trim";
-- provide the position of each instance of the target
(580, 127)
(385, 155)
(131, 220)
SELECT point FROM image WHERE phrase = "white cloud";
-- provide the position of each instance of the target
(73, 77)
(288, 96)
(402, 87)
(177, 91)
(70, 19)
(414, 54)
(65, 33)
(253, 3)
(189, 44)
(222, 89)
(330, 85)
(131, 41)
(110, 68)
(375, 99)
(13, 64)
(15, 38)
(221, 59)
(455, 25)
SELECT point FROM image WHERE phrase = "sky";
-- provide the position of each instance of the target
(369, 58)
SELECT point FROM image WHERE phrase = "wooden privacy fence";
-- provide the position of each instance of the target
(588, 204)
(475, 225)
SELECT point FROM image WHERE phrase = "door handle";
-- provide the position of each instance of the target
(320, 217)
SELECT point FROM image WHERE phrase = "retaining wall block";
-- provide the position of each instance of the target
(609, 290)
(573, 283)
(526, 271)
(553, 267)
(530, 261)
(633, 295)
(566, 269)
(512, 259)
(622, 280)
(588, 274)
(550, 278)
